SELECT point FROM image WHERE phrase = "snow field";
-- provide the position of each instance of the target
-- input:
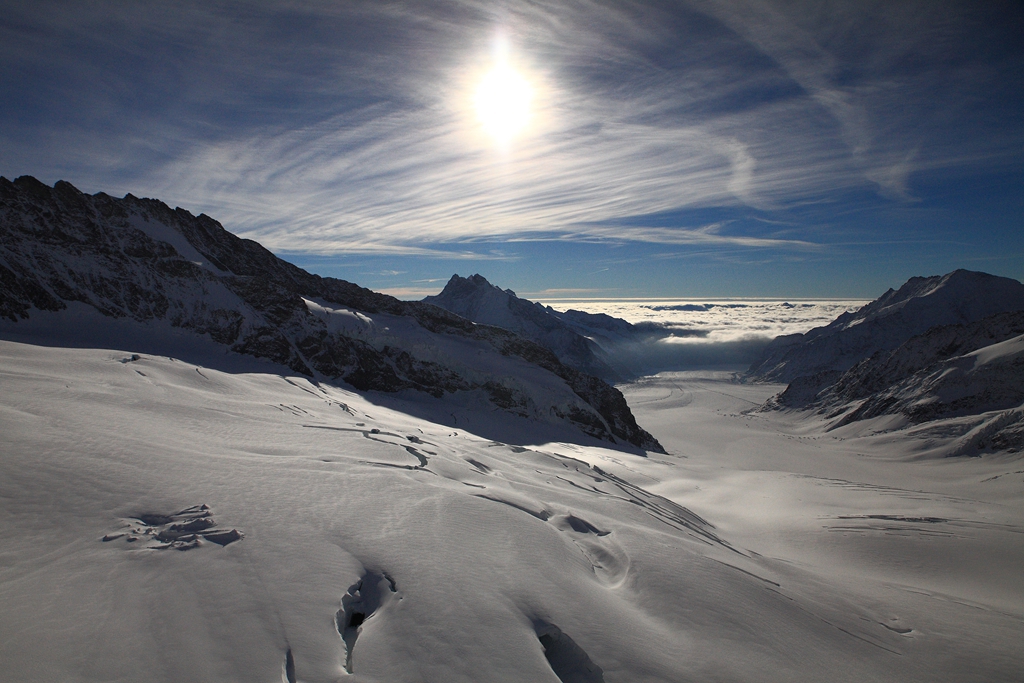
(800, 557)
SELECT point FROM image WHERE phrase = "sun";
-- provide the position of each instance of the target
(503, 101)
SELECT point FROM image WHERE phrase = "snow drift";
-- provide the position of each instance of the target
(360, 543)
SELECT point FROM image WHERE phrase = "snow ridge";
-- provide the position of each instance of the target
(960, 297)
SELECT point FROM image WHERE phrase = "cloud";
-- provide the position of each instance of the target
(556, 293)
(408, 293)
(329, 128)
(328, 247)
(706, 235)
(398, 179)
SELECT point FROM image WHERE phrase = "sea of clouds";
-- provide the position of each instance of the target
(709, 332)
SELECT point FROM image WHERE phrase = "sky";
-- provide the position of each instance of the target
(578, 149)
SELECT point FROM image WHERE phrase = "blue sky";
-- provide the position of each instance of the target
(674, 149)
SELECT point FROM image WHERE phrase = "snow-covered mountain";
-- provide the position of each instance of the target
(988, 381)
(476, 299)
(876, 362)
(249, 518)
(922, 303)
(81, 269)
(595, 343)
(936, 346)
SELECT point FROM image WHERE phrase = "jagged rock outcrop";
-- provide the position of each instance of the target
(139, 260)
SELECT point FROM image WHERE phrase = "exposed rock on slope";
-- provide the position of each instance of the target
(476, 299)
(824, 353)
(977, 396)
(990, 378)
(137, 259)
(972, 372)
(595, 343)
(936, 346)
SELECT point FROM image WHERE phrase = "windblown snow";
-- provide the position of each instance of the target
(164, 521)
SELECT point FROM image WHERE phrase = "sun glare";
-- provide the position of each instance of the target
(503, 102)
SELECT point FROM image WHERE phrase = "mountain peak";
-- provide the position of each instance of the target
(921, 303)
(959, 297)
(459, 286)
(476, 299)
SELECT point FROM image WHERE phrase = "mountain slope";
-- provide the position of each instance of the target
(476, 299)
(967, 378)
(989, 378)
(922, 303)
(139, 262)
(960, 371)
(885, 368)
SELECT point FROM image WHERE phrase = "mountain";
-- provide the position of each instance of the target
(960, 297)
(875, 363)
(594, 343)
(885, 368)
(972, 373)
(989, 380)
(476, 299)
(235, 519)
(84, 266)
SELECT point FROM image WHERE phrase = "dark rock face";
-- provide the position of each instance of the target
(140, 260)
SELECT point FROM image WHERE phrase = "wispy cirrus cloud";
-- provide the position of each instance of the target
(414, 177)
(707, 235)
(324, 127)
(620, 131)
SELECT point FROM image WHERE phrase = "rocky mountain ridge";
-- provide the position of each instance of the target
(960, 297)
(138, 260)
(971, 372)
(476, 299)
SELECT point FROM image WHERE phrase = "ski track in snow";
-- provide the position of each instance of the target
(377, 546)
